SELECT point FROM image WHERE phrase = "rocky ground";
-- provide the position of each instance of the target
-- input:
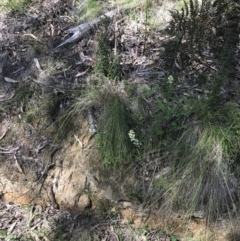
(34, 222)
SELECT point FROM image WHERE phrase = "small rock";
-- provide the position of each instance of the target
(198, 214)
(84, 202)
(126, 204)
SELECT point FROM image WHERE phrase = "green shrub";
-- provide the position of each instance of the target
(107, 63)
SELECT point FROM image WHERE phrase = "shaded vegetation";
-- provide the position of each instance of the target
(179, 133)
(198, 128)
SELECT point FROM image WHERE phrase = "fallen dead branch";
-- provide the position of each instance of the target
(8, 150)
(80, 30)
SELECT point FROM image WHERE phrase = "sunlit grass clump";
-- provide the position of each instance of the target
(113, 140)
(203, 165)
(202, 169)
(105, 102)
(14, 5)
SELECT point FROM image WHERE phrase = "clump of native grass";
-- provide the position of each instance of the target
(89, 9)
(114, 143)
(21, 96)
(104, 104)
(14, 5)
(203, 161)
(26, 102)
(199, 170)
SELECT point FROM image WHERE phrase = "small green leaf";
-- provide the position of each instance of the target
(159, 132)
(164, 142)
(161, 105)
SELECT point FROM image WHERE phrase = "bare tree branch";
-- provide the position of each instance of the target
(80, 30)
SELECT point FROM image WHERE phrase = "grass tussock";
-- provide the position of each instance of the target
(22, 95)
(113, 141)
(14, 5)
(91, 9)
(203, 169)
(203, 166)
(107, 102)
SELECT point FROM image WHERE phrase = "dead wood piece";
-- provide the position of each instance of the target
(8, 151)
(12, 227)
(80, 30)
(42, 146)
(3, 133)
(17, 165)
(53, 199)
(6, 96)
(92, 126)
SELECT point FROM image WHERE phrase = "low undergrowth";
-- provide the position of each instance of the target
(202, 168)
(14, 5)
(199, 131)
(185, 129)
(181, 133)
